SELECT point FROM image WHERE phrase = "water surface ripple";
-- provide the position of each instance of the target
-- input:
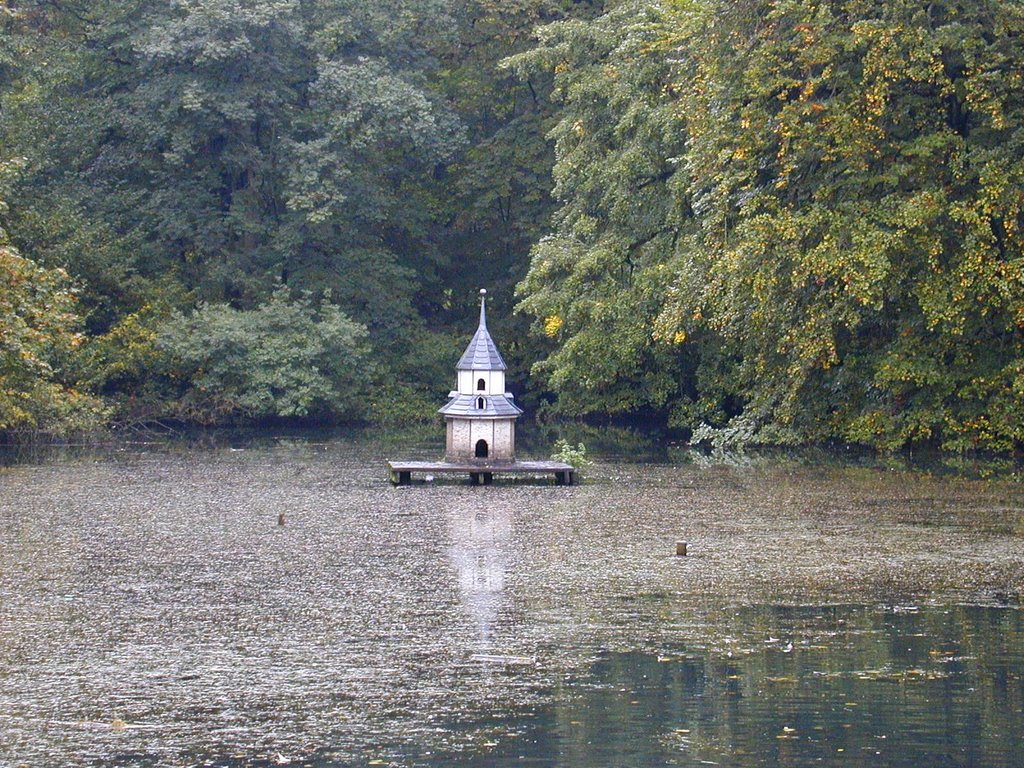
(152, 612)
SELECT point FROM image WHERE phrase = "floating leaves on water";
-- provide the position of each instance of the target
(507, 661)
(363, 636)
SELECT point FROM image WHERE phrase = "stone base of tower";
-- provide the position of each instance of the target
(486, 440)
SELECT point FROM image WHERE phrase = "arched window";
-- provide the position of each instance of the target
(481, 449)
(480, 403)
(481, 384)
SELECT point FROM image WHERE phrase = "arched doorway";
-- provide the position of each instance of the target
(481, 449)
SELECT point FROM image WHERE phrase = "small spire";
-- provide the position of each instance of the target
(481, 354)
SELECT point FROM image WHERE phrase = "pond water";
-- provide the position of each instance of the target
(153, 612)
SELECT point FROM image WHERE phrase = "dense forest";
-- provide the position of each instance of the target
(755, 221)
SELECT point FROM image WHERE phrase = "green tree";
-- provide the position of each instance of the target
(596, 284)
(285, 358)
(500, 184)
(207, 150)
(856, 166)
(818, 233)
(495, 193)
(39, 336)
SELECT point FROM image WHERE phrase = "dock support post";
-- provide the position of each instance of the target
(488, 478)
(474, 478)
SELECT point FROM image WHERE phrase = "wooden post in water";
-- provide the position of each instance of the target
(681, 548)
(280, 519)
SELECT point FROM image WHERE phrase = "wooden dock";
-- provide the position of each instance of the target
(482, 472)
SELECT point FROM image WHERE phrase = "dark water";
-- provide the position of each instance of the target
(152, 612)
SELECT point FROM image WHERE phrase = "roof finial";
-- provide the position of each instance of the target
(483, 312)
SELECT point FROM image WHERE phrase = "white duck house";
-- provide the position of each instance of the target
(480, 415)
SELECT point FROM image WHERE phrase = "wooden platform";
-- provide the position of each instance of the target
(481, 472)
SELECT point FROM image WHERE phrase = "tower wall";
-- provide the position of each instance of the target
(505, 438)
(463, 435)
(494, 380)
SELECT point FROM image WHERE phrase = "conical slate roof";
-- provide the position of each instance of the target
(493, 405)
(482, 353)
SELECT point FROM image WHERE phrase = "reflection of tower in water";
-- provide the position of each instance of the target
(480, 538)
